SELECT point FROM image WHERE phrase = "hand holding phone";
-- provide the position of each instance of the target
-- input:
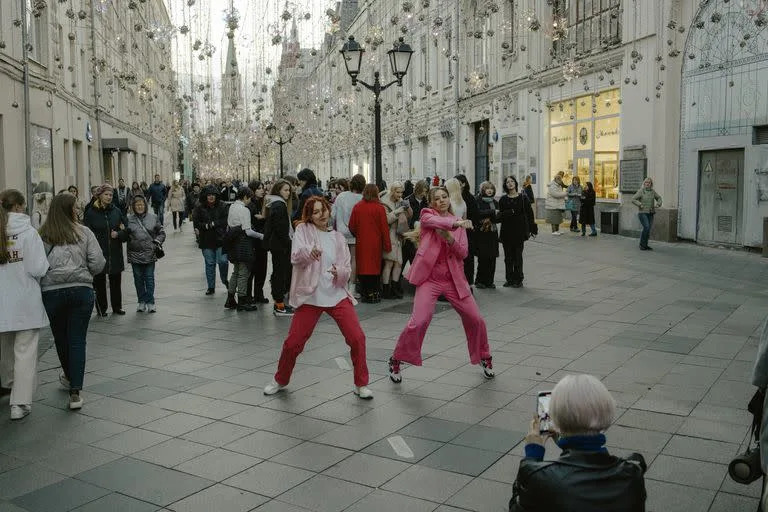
(542, 412)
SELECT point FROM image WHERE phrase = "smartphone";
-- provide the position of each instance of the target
(542, 409)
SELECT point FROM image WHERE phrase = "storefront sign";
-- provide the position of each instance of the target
(632, 174)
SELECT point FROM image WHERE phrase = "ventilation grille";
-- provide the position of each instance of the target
(760, 135)
(725, 223)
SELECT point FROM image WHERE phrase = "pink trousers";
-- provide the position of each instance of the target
(409, 344)
(304, 322)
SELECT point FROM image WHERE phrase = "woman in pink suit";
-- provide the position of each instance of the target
(321, 268)
(438, 269)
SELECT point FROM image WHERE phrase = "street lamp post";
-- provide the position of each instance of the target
(281, 139)
(399, 59)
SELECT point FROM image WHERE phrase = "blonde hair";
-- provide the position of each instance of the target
(581, 405)
(394, 186)
(415, 234)
(453, 187)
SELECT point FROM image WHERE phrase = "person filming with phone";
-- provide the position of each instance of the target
(585, 478)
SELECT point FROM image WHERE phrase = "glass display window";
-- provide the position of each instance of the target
(561, 149)
(585, 141)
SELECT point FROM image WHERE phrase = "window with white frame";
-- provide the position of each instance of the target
(508, 43)
(37, 15)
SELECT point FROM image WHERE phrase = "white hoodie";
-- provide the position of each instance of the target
(21, 301)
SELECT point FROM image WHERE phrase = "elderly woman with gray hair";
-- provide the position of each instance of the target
(585, 478)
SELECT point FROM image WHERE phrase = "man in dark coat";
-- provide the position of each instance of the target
(108, 224)
(156, 193)
(210, 222)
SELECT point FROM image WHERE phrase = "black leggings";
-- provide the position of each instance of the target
(281, 274)
(258, 275)
(180, 217)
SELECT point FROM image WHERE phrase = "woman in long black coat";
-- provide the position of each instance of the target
(108, 224)
(471, 202)
(587, 214)
(487, 237)
(517, 225)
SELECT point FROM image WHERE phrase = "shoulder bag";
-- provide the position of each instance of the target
(159, 252)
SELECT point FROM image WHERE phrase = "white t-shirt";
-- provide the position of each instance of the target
(326, 294)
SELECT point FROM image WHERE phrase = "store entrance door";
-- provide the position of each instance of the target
(482, 167)
(720, 196)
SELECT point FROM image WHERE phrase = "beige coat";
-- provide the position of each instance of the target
(177, 199)
(396, 254)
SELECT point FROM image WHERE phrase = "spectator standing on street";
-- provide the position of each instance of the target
(340, 214)
(472, 214)
(528, 189)
(156, 193)
(573, 203)
(108, 224)
(40, 207)
(210, 222)
(398, 212)
(587, 216)
(517, 226)
(487, 236)
(22, 264)
(75, 257)
(190, 203)
(555, 203)
(417, 201)
(368, 223)
(309, 188)
(79, 204)
(260, 254)
(278, 235)
(439, 270)
(239, 244)
(145, 234)
(178, 199)
(228, 192)
(321, 268)
(647, 200)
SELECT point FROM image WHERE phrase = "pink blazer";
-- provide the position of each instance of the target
(429, 249)
(306, 271)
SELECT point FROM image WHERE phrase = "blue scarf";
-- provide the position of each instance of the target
(583, 443)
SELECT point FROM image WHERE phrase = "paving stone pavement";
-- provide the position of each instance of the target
(175, 419)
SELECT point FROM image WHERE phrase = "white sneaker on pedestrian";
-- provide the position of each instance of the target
(363, 392)
(64, 381)
(75, 401)
(151, 308)
(556, 233)
(272, 388)
(20, 411)
(141, 308)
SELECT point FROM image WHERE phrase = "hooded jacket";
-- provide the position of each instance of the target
(21, 300)
(210, 221)
(73, 264)
(144, 232)
(278, 231)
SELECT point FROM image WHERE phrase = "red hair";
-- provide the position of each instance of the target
(309, 207)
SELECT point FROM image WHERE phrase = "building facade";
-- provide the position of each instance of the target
(606, 90)
(101, 93)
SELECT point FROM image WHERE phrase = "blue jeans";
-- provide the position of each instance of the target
(646, 219)
(159, 210)
(69, 311)
(144, 280)
(213, 256)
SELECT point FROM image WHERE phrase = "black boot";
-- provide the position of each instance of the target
(231, 302)
(386, 292)
(245, 304)
(397, 290)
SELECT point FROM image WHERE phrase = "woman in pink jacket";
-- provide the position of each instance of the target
(321, 269)
(438, 269)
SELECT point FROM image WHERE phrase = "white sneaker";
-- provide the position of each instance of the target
(20, 411)
(556, 233)
(75, 401)
(272, 388)
(151, 308)
(363, 392)
(64, 381)
(141, 307)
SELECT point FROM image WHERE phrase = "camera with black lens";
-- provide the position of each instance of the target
(746, 468)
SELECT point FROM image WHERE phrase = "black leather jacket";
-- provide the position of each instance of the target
(580, 481)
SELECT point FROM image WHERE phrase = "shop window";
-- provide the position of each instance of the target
(509, 155)
(608, 103)
(42, 159)
(561, 149)
(561, 112)
(583, 107)
(584, 136)
(607, 134)
(607, 175)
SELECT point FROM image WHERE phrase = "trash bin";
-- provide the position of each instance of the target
(609, 222)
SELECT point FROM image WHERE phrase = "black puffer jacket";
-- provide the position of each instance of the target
(210, 221)
(102, 221)
(277, 227)
(580, 481)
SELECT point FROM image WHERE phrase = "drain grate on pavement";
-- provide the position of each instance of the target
(406, 308)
